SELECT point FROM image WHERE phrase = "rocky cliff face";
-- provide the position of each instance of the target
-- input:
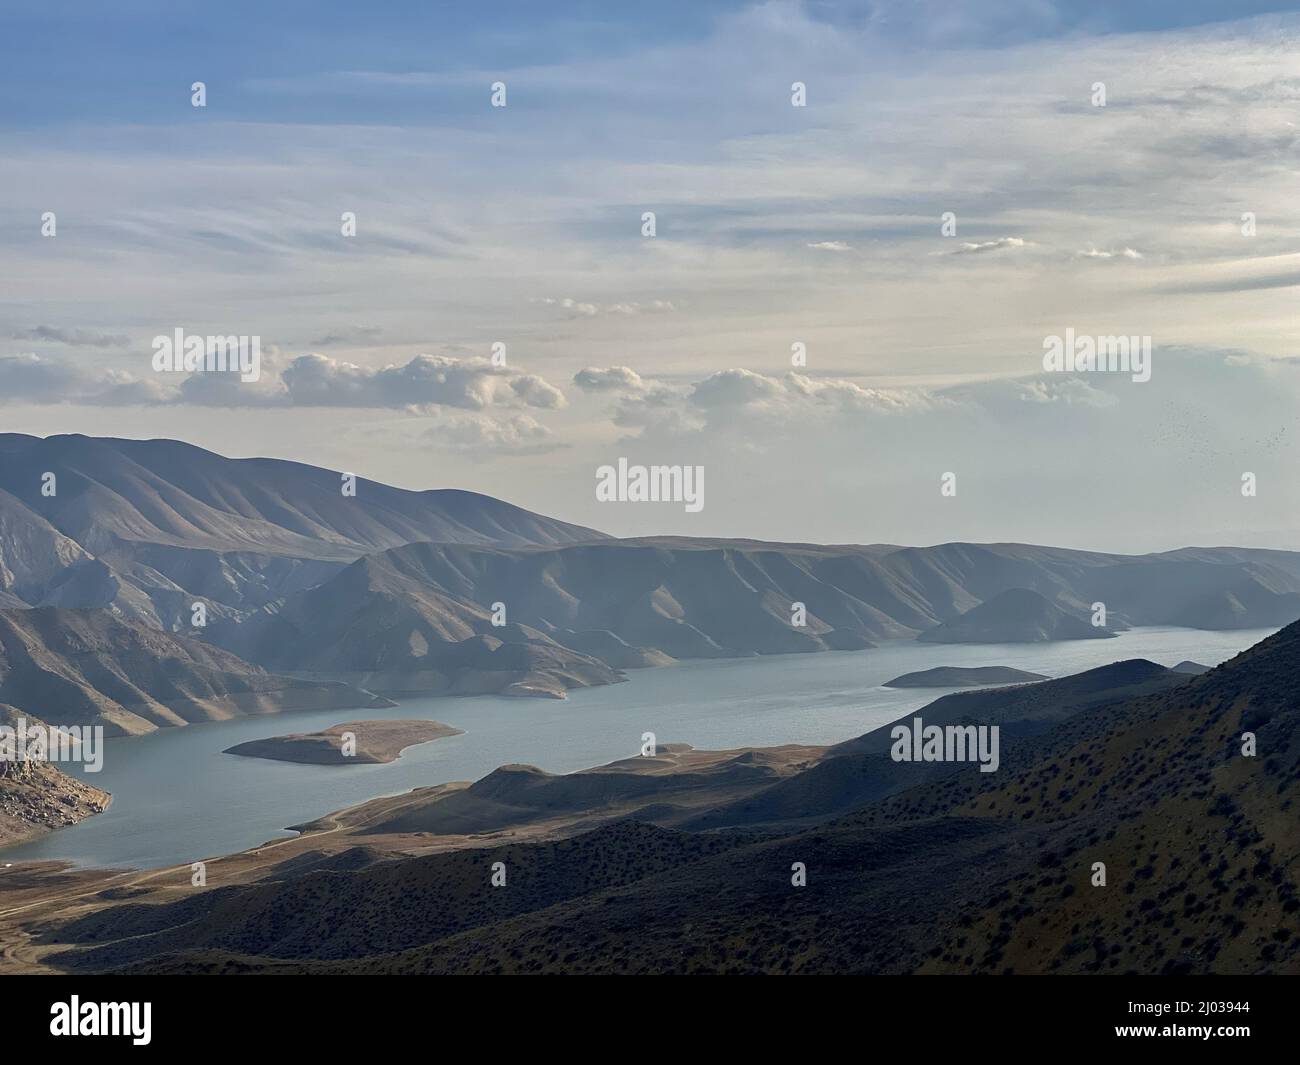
(36, 796)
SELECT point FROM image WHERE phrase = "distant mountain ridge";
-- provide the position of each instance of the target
(144, 525)
(397, 589)
(632, 603)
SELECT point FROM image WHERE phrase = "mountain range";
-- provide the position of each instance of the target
(636, 603)
(145, 526)
(453, 592)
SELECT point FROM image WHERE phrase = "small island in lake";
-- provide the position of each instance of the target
(372, 741)
(963, 677)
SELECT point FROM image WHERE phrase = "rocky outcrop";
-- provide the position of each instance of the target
(37, 796)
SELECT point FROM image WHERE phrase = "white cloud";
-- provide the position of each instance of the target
(30, 378)
(477, 434)
(738, 387)
(610, 379)
(1069, 391)
(314, 380)
(426, 381)
(1123, 253)
(586, 309)
(968, 248)
(733, 399)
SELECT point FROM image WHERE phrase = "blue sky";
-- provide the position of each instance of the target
(776, 225)
(72, 62)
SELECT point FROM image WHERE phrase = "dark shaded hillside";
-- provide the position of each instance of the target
(959, 872)
(385, 906)
(1017, 615)
(963, 677)
(861, 770)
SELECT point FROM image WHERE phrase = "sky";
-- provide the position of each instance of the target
(1161, 206)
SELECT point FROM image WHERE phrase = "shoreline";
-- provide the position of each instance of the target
(850, 711)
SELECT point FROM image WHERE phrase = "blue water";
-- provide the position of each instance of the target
(177, 798)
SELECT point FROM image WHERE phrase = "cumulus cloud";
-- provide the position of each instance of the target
(609, 379)
(30, 378)
(738, 398)
(794, 392)
(1068, 391)
(426, 381)
(830, 245)
(736, 387)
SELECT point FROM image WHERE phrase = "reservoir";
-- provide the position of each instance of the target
(177, 798)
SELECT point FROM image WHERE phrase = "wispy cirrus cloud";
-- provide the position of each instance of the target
(72, 337)
(982, 246)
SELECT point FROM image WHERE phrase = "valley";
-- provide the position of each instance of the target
(655, 863)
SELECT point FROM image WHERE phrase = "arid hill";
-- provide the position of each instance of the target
(87, 667)
(955, 870)
(147, 526)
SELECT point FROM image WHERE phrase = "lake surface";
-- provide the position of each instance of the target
(177, 798)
